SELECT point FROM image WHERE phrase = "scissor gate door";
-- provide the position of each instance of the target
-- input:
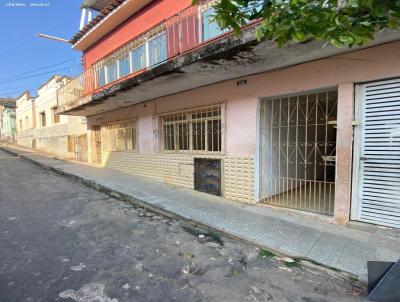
(376, 189)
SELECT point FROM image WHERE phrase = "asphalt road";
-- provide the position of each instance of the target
(60, 241)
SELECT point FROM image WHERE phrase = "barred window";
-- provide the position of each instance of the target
(138, 58)
(158, 49)
(112, 72)
(193, 130)
(120, 136)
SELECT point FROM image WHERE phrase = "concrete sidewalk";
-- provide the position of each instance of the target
(346, 248)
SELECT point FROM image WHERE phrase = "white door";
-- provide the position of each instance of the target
(376, 186)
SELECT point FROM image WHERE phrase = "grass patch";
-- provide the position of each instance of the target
(215, 237)
(295, 263)
(211, 236)
(353, 280)
(266, 253)
(189, 256)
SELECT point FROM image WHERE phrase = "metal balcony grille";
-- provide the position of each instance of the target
(182, 33)
(298, 139)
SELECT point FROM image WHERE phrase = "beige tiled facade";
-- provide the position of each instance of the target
(178, 169)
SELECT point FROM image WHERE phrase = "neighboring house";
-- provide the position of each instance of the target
(6, 103)
(9, 129)
(26, 120)
(1, 122)
(61, 135)
(170, 96)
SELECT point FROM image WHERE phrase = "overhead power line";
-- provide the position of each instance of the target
(36, 75)
(20, 87)
(37, 69)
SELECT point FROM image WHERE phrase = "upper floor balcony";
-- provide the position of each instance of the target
(183, 52)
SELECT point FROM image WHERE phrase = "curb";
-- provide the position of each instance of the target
(183, 219)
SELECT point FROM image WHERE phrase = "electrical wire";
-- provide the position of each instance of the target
(20, 87)
(8, 91)
(37, 69)
(36, 75)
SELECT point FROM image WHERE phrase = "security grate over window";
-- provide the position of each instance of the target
(120, 136)
(193, 130)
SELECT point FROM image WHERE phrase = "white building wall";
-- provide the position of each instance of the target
(25, 120)
(54, 137)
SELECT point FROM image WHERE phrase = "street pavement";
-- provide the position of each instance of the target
(61, 241)
(346, 248)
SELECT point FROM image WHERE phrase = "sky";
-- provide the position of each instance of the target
(27, 61)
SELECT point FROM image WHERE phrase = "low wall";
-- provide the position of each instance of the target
(53, 140)
(26, 138)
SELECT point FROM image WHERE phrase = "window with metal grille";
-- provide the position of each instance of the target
(124, 66)
(157, 49)
(120, 136)
(138, 58)
(101, 76)
(112, 72)
(193, 130)
(210, 26)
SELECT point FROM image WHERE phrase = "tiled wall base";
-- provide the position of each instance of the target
(178, 169)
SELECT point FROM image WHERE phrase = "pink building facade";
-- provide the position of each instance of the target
(303, 128)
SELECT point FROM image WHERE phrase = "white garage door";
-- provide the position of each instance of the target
(376, 197)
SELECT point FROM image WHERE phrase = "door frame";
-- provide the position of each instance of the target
(355, 207)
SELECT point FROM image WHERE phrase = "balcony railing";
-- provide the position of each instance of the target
(177, 35)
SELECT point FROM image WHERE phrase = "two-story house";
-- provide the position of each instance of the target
(60, 135)
(26, 120)
(169, 95)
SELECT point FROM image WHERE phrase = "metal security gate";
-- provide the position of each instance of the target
(297, 154)
(80, 147)
(376, 185)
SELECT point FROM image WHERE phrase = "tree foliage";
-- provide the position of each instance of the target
(342, 23)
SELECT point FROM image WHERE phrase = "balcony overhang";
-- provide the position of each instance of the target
(224, 59)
